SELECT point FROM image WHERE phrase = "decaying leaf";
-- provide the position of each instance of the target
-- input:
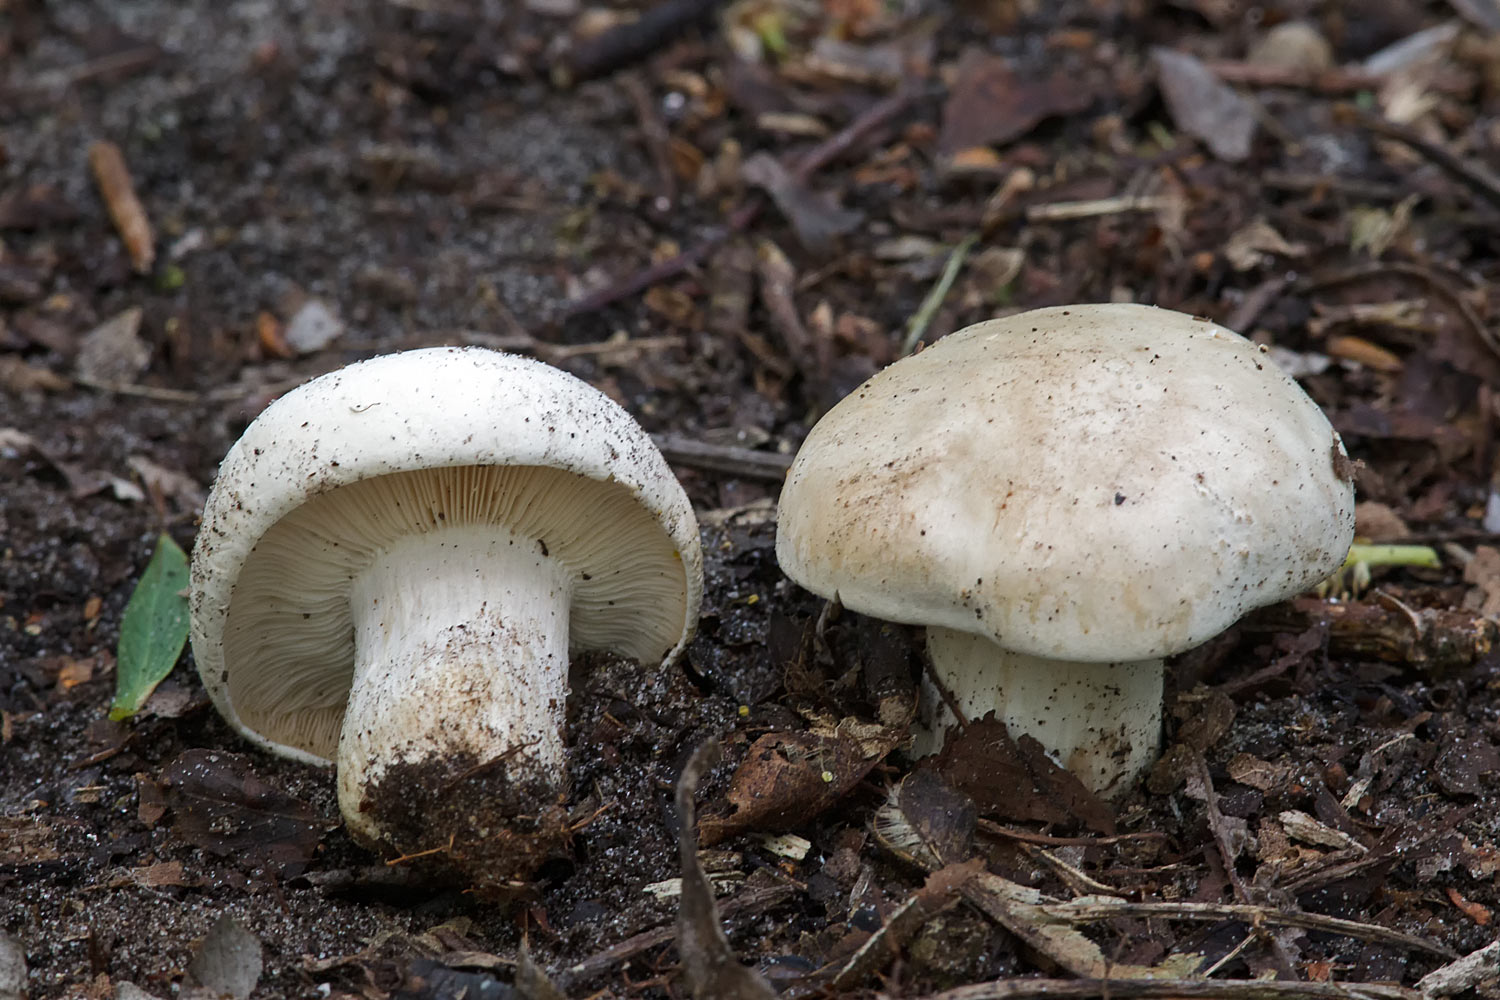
(1463, 764)
(222, 806)
(1257, 243)
(1206, 715)
(1202, 105)
(709, 965)
(228, 962)
(1483, 571)
(172, 484)
(787, 778)
(113, 353)
(926, 823)
(163, 873)
(817, 218)
(531, 982)
(1016, 780)
(990, 104)
(1261, 775)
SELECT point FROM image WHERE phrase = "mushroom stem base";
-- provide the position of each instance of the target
(1101, 721)
(452, 738)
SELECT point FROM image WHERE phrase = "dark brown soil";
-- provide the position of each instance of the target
(413, 167)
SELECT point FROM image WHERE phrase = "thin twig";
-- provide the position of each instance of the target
(1219, 827)
(745, 463)
(1077, 879)
(1484, 183)
(777, 281)
(1353, 187)
(1325, 81)
(662, 270)
(563, 352)
(157, 393)
(1171, 989)
(1045, 840)
(632, 41)
(115, 64)
(1429, 279)
(654, 132)
(851, 135)
(1059, 211)
(1085, 912)
(922, 319)
(1255, 303)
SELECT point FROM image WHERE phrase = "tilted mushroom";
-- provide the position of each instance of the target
(1064, 497)
(394, 563)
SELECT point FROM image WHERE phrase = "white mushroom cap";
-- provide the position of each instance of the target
(1096, 482)
(280, 673)
(492, 501)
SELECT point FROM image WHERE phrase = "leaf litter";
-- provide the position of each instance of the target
(1328, 760)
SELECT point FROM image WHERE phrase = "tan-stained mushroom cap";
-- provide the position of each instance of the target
(1091, 483)
(343, 467)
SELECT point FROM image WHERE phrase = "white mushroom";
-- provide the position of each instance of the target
(1064, 497)
(394, 563)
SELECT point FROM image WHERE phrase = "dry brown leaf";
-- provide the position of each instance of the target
(709, 965)
(989, 104)
(1016, 780)
(168, 483)
(155, 876)
(1261, 775)
(1202, 105)
(16, 376)
(926, 823)
(1483, 571)
(1462, 765)
(113, 353)
(221, 805)
(787, 778)
(1206, 715)
(1256, 243)
(816, 216)
(1378, 522)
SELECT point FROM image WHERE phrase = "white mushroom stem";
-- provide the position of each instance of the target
(461, 658)
(1101, 721)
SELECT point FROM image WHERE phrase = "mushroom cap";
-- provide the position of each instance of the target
(349, 462)
(1098, 483)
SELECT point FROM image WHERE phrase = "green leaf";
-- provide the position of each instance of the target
(154, 629)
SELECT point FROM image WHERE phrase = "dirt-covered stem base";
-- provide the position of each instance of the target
(452, 741)
(1101, 721)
